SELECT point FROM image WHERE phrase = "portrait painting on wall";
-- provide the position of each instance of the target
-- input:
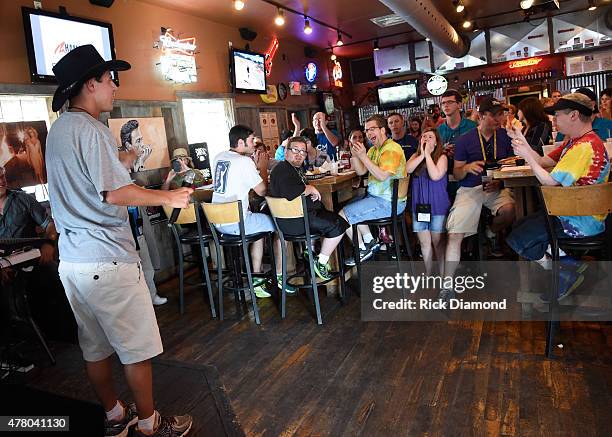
(144, 136)
(22, 153)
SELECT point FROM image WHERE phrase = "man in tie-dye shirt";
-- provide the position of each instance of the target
(384, 162)
(582, 161)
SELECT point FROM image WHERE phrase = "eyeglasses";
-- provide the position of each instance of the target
(371, 129)
(298, 151)
(448, 102)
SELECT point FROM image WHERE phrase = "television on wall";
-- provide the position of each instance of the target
(398, 95)
(50, 36)
(248, 71)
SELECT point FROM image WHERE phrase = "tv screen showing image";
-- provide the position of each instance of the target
(398, 95)
(50, 36)
(248, 71)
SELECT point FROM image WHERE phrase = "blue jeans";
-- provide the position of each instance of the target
(530, 239)
(370, 208)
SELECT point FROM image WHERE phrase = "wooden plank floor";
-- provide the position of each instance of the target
(352, 378)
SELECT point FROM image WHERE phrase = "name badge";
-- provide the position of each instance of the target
(423, 212)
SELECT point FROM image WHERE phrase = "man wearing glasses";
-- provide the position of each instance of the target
(384, 162)
(288, 181)
(454, 125)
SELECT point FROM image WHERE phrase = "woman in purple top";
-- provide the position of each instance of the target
(430, 203)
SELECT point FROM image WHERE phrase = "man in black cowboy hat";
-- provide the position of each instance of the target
(99, 267)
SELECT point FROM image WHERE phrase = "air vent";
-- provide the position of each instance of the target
(388, 20)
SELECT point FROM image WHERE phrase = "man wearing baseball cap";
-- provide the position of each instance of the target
(475, 150)
(582, 161)
(100, 269)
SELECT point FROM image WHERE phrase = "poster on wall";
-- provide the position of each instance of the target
(22, 152)
(147, 136)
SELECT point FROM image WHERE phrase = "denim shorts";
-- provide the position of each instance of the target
(254, 223)
(529, 237)
(370, 208)
(437, 224)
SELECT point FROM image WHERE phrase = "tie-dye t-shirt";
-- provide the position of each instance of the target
(389, 157)
(582, 162)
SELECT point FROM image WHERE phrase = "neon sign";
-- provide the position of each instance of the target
(178, 58)
(525, 62)
(337, 74)
(310, 72)
(270, 53)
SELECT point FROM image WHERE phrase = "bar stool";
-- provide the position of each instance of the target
(583, 200)
(294, 209)
(200, 236)
(231, 213)
(400, 189)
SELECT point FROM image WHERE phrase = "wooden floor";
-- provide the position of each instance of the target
(349, 378)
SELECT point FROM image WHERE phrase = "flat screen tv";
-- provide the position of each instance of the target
(398, 95)
(248, 71)
(50, 36)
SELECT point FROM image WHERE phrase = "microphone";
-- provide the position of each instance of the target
(187, 182)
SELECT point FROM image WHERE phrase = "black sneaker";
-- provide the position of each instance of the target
(121, 428)
(364, 254)
(170, 426)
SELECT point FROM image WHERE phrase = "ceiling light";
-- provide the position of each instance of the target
(376, 47)
(307, 28)
(427, 39)
(339, 42)
(592, 5)
(466, 24)
(333, 57)
(526, 4)
(459, 7)
(280, 17)
(238, 5)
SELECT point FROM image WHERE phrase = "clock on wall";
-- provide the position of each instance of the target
(437, 84)
(282, 91)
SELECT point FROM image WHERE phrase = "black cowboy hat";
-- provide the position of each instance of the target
(76, 67)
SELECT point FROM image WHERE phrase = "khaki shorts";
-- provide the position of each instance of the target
(113, 309)
(464, 215)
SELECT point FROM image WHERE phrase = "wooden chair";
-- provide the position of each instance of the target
(400, 189)
(284, 209)
(199, 236)
(231, 213)
(583, 200)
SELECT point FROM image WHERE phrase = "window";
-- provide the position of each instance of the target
(476, 56)
(520, 40)
(209, 121)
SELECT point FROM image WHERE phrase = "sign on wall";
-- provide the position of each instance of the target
(178, 58)
(22, 151)
(310, 72)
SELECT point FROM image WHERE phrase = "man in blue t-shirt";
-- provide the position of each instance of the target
(454, 124)
(409, 144)
(327, 139)
(485, 144)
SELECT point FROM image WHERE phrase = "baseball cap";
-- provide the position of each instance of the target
(576, 101)
(591, 95)
(491, 104)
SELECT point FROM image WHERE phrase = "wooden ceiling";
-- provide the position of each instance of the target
(352, 16)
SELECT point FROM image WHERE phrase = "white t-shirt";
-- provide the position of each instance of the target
(234, 176)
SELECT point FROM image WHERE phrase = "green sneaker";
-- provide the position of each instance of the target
(322, 270)
(289, 289)
(260, 292)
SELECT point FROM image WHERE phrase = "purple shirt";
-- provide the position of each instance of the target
(467, 148)
(426, 190)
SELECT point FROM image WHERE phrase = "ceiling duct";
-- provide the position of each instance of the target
(425, 18)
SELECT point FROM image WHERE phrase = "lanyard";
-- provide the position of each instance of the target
(484, 155)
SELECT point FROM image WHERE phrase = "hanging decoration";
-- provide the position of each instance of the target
(270, 53)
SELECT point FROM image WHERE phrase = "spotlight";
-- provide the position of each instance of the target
(238, 5)
(307, 28)
(466, 24)
(592, 5)
(280, 17)
(376, 47)
(427, 39)
(333, 57)
(339, 42)
(526, 4)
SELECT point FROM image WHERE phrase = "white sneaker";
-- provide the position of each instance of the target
(158, 300)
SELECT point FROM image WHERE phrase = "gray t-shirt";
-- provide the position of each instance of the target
(83, 162)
